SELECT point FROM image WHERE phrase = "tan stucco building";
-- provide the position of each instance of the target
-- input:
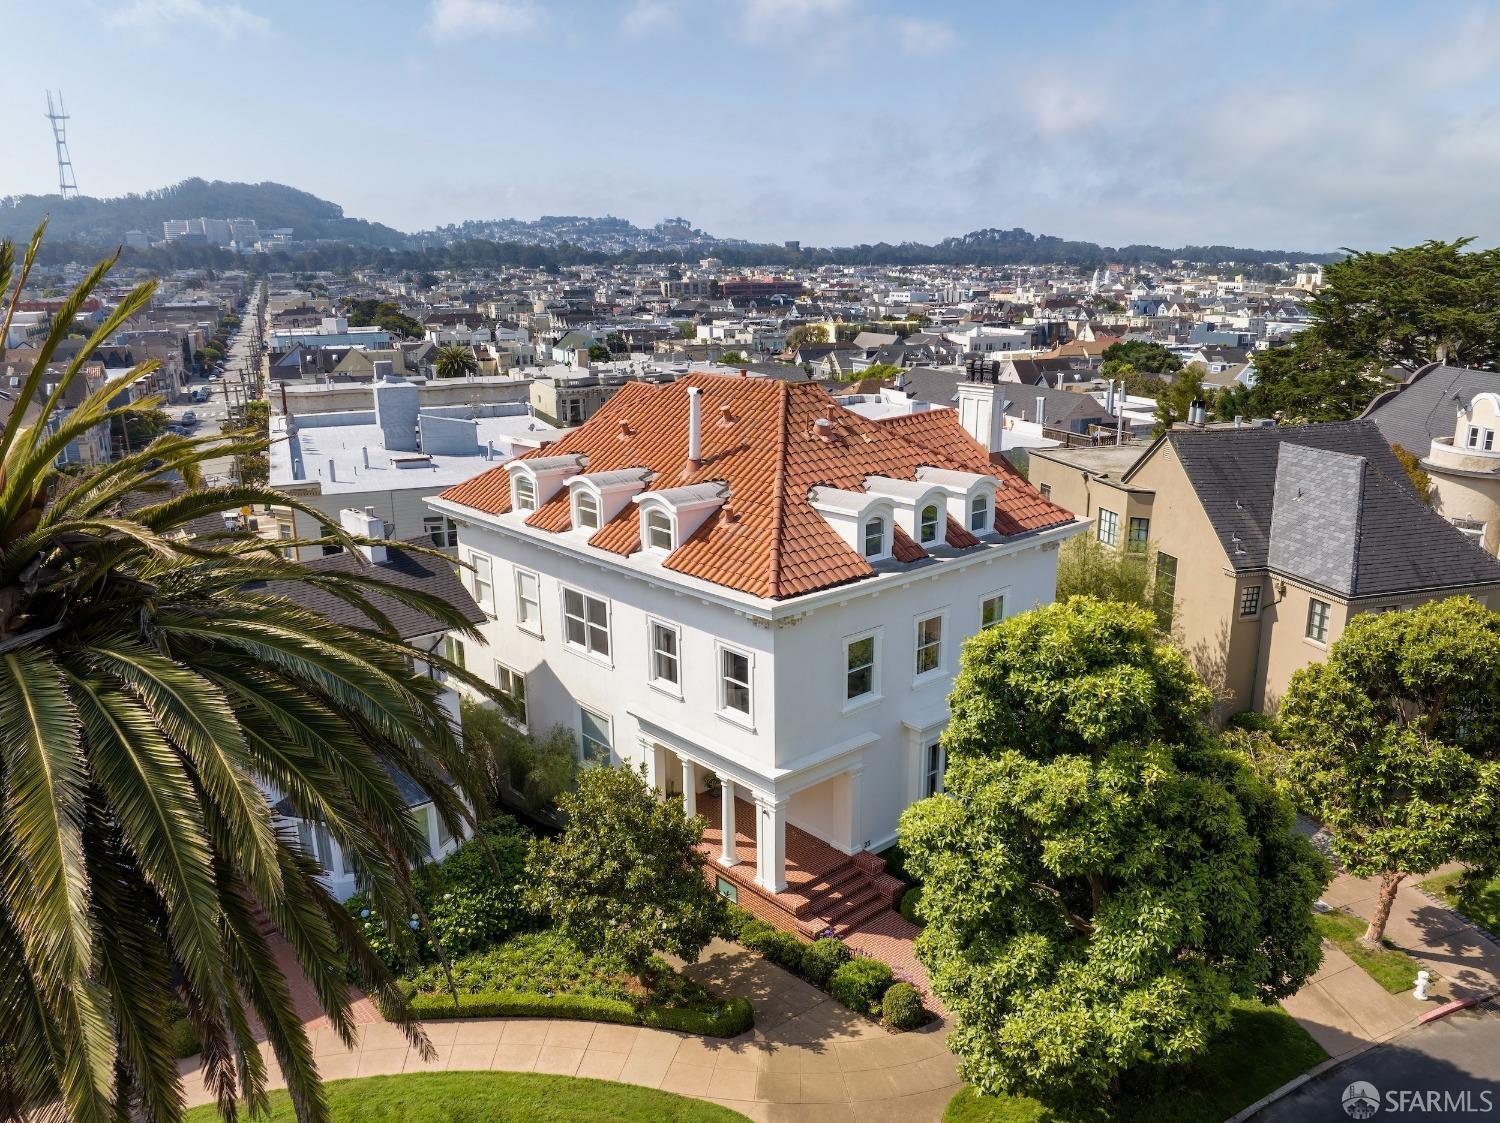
(1264, 541)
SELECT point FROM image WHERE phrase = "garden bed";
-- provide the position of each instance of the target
(1388, 965)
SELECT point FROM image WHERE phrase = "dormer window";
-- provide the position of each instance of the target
(525, 493)
(979, 512)
(875, 537)
(659, 530)
(586, 511)
(928, 524)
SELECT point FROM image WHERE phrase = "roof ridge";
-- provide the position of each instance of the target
(778, 497)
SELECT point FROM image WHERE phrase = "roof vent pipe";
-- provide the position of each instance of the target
(695, 428)
(332, 476)
(365, 452)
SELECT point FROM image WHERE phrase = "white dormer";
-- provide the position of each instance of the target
(921, 508)
(970, 497)
(597, 498)
(671, 516)
(533, 482)
(864, 520)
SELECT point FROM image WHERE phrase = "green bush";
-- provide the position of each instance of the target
(911, 906)
(507, 1004)
(531, 963)
(859, 984)
(902, 1007)
(738, 918)
(781, 948)
(732, 1018)
(821, 958)
(184, 1037)
(1253, 722)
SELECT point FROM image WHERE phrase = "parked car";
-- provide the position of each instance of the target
(197, 396)
(190, 418)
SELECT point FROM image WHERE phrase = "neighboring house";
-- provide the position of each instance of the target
(739, 576)
(410, 570)
(1267, 540)
(88, 449)
(1449, 417)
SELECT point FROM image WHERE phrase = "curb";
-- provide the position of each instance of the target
(1447, 1008)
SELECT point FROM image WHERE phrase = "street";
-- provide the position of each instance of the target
(1448, 1070)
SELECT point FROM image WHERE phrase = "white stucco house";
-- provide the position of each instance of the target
(760, 594)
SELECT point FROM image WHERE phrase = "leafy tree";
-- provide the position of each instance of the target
(806, 333)
(142, 427)
(1413, 466)
(616, 343)
(598, 353)
(626, 876)
(1306, 381)
(369, 312)
(881, 371)
(147, 691)
(1101, 877)
(1139, 354)
(538, 770)
(1172, 405)
(1396, 743)
(686, 329)
(455, 360)
(732, 359)
(1087, 567)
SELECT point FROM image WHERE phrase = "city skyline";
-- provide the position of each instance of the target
(827, 121)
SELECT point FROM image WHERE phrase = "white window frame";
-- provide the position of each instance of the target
(721, 701)
(522, 601)
(666, 686)
(937, 524)
(580, 495)
(590, 627)
(604, 719)
(648, 529)
(981, 519)
(453, 650)
(515, 493)
(872, 695)
(1324, 619)
(440, 530)
(937, 671)
(934, 764)
(1113, 523)
(1003, 595)
(482, 579)
(518, 678)
(885, 537)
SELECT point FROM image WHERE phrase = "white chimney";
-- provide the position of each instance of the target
(695, 428)
(365, 524)
(981, 411)
(1041, 410)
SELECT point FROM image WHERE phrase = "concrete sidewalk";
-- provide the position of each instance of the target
(1346, 1011)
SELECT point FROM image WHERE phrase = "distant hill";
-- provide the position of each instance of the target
(103, 222)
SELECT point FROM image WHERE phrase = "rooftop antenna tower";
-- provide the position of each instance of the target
(67, 186)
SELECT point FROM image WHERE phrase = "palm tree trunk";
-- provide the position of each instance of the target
(1389, 883)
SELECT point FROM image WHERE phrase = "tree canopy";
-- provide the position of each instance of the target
(1101, 876)
(1395, 742)
(369, 312)
(1140, 355)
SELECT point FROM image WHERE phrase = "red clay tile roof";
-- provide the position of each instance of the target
(758, 439)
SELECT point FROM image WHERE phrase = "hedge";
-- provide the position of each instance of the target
(735, 1016)
(911, 906)
(781, 948)
(860, 983)
(822, 958)
(902, 1007)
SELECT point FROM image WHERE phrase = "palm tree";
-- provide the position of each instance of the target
(153, 691)
(454, 360)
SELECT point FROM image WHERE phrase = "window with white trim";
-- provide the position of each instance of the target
(859, 667)
(484, 585)
(593, 737)
(586, 622)
(528, 601)
(874, 537)
(524, 493)
(734, 681)
(1317, 621)
(586, 511)
(440, 531)
(927, 526)
(934, 764)
(929, 645)
(979, 512)
(659, 530)
(453, 650)
(1109, 527)
(512, 685)
(991, 610)
(666, 655)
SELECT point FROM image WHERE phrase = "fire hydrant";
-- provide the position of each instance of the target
(1424, 979)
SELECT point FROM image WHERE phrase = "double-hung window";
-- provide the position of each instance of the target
(512, 684)
(525, 493)
(1317, 621)
(927, 528)
(484, 584)
(586, 622)
(929, 645)
(528, 601)
(934, 764)
(658, 530)
(1109, 527)
(734, 681)
(666, 655)
(593, 737)
(859, 667)
(991, 610)
(1140, 534)
(874, 537)
(587, 507)
(979, 513)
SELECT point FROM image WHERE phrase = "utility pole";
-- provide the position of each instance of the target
(67, 186)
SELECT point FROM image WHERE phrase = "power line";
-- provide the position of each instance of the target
(67, 186)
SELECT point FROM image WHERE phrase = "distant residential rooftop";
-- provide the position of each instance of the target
(1107, 460)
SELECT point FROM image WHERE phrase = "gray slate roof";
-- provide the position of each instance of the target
(1337, 510)
(1425, 405)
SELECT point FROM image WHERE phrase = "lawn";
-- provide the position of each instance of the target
(1390, 967)
(1482, 905)
(1262, 1049)
(469, 1097)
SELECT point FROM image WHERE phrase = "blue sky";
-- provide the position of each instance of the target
(1307, 124)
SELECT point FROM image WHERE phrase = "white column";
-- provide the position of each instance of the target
(770, 847)
(728, 856)
(856, 810)
(689, 788)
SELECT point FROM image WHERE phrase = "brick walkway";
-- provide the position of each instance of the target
(807, 1058)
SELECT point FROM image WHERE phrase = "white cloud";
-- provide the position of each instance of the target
(765, 21)
(645, 18)
(461, 19)
(154, 16)
(924, 36)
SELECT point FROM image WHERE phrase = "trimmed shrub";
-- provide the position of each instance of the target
(911, 906)
(860, 983)
(184, 1038)
(504, 1004)
(734, 1017)
(821, 958)
(781, 948)
(738, 918)
(902, 1007)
